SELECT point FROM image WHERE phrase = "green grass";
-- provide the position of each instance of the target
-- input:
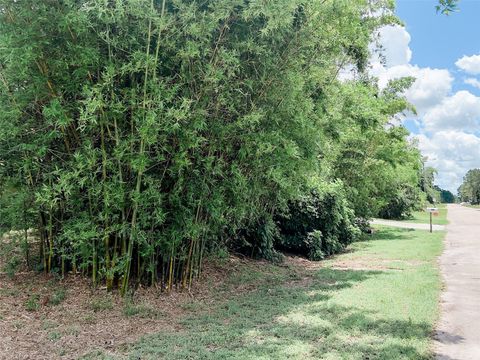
(32, 303)
(101, 304)
(422, 217)
(141, 310)
(473, 206)
(377, 301)
(58, 296)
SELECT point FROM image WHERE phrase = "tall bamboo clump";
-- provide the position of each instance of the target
(143, 132)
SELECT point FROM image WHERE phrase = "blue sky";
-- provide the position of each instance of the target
(438, 40)
(443, 54)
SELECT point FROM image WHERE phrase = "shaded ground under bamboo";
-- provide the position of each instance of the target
(87, 321)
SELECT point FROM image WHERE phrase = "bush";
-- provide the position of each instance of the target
(363, 225)
(318, 225)
(258, 240)
(402, 203)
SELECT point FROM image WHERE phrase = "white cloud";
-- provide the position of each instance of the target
(430, 87)
(452, 153)
(448, 122)
(460, 111)
(469, 64)
(394, 42)
(474, 82)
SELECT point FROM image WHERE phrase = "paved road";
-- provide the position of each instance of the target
(458, 332)
(406, 225)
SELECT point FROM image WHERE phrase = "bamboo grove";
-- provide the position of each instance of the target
(138, 136)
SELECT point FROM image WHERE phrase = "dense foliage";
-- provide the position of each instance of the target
(446, 196)
(380, 168)
(469, 191)
(319, 224)
(137, 135)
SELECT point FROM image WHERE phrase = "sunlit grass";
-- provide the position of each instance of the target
(423, 217)
(378, 301)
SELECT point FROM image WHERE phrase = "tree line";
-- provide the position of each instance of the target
(138, 137)
(469, 191)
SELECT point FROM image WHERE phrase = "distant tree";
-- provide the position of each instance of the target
(427, 180)
(446, 196)
(470, 189)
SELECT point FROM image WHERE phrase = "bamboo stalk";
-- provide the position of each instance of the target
(133, 224)
(50, 240)
(109, 278)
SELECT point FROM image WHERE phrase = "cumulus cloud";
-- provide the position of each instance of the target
(449, 123)
(394, 46)
(460, 111)
(469, 64)
(452, 153)
(430, 87)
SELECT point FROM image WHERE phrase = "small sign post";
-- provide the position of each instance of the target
(432, 211)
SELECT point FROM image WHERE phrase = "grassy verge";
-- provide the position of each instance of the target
(422, 217)
(377, 301)
(473, 206)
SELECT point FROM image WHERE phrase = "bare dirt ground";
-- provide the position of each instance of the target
(34, 324)
(90, 322)
(458, 332)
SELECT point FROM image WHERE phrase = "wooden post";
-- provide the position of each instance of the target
(431, 222)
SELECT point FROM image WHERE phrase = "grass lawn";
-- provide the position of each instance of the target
(473, 206)
(377, 301)
(422, 217)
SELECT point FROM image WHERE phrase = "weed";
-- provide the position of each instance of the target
(72, 330)
(58, 297)
(32, 304)
(17, 324)
(95, 355)
(144, 311)
(12, 266)
(101, 304)
(9, 292)
(62, 352)
(54, 336)
(89, 319)
(48, 324)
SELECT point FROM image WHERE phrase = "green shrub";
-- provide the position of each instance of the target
(401, 205)
(319, 224)
(258, 240)
(132, 145)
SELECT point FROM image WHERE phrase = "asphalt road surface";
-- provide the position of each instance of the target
(458, 332)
